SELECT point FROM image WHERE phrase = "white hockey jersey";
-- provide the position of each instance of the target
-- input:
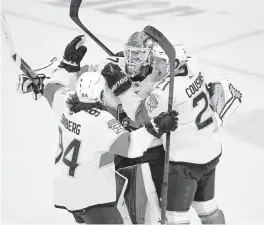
(195, 140)
(84, 169)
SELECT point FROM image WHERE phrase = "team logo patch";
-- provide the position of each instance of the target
(115, 126)
(64, 90)
(152, 103)
(93, 67)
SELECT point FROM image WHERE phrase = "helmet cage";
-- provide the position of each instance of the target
(135, 58)
(137, 52)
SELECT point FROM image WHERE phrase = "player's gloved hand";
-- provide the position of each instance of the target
(116, 80)
(26, 84)
(74, 54)
(163, 123)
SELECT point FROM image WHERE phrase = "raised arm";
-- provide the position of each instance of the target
(54, 75)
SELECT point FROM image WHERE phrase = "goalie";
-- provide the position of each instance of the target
(195, 146)
(85, 178)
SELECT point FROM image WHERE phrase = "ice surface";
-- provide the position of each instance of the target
(227, 37)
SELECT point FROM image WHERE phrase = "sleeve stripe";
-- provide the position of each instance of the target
(141, 114)
(50, 91)
(121, 146)
(106, 159)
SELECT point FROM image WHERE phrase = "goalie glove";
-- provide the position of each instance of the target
(116, 80)
(48, 73)
(165, 122)
(74, 54)
(27, 84)
(224, 98)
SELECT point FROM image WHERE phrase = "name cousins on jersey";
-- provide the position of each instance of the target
(195, 86)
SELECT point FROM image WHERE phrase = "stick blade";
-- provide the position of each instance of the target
(7, 36)
(162, 41)
(24, 67)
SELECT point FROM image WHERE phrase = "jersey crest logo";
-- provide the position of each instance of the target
(64, 90)
(93, 67)
(115, 126)
(152, 103)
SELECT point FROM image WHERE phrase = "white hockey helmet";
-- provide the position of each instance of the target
(90, 87)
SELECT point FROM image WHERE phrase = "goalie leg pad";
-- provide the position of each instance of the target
(135, 195)
(153, 213)
(141, 197)
(121, 185)
(100, 214)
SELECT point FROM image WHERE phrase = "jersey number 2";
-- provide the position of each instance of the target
(202, 96)
(73, 146)
(201, 124)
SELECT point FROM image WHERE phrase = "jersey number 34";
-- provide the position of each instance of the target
(73, 146)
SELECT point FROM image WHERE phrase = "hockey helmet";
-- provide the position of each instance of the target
(142, 54)
(90, 87)
(137, 52)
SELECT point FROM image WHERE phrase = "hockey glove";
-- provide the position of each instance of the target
(224, 98)
(26, 84)
(116, 80)
(74, 54)
(163, 123)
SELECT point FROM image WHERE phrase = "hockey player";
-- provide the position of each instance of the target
(89, 136)
(195, 146)
(150, 166)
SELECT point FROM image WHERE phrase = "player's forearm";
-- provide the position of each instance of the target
(134, 107)
(61, 78)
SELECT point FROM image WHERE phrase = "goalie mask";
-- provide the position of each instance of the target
(90, 87)
(144, 56)
(138, 54)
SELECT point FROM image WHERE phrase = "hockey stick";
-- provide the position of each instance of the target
(23, 66)
(170, 51)
(74, 10)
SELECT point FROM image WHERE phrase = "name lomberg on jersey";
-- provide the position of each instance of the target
(71, 126)
(195, 86)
